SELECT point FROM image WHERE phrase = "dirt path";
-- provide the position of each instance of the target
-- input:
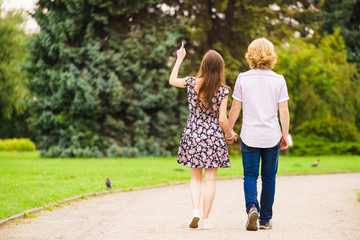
(306, 207)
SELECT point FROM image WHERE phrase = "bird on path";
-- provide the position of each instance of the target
(316, 163)
(108, 183)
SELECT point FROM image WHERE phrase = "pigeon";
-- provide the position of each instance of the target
(316, 163)
(108, 183)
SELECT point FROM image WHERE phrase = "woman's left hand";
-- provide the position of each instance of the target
(234, 138)
(181, 53)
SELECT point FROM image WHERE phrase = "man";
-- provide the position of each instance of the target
(260, 92)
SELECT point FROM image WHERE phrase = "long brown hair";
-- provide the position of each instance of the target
(212, 72)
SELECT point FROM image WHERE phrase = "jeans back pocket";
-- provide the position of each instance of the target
(275, 149)
(246, 148)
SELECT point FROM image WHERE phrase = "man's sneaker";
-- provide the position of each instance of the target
(195, 219)
(206, 224)
(266, 226)
(253, 216)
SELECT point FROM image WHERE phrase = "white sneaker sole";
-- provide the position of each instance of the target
(266, 227)
(194, 222)
(206, 228)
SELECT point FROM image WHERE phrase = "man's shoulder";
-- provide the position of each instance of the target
(258, 72)
(272, 73)
(243, 74)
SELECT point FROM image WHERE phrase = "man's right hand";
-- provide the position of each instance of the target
(284, 143)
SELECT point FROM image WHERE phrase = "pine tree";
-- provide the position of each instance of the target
(346, 16)
(99, 70)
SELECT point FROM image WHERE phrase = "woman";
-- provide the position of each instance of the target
(202, 144)
(261, 93)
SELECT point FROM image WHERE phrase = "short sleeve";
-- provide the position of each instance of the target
(237, 90)
(189, 83)
(223, 92)
(283, 95)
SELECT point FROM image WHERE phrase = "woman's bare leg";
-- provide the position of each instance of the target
(195, 191)
(195, 186)
(210, 188)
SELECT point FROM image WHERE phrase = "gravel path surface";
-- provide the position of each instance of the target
(306, 207)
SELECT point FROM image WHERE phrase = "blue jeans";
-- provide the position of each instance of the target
(269, 165)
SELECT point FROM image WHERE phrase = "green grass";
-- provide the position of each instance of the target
(28, 181)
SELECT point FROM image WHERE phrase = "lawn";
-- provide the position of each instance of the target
(28, 181)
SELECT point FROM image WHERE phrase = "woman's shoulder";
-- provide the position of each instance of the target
(190, 81)
(224, 90)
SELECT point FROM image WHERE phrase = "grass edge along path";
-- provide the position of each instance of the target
(31, 181)
(31, 213)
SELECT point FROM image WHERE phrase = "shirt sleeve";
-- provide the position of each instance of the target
(237, 90)
(283, 96)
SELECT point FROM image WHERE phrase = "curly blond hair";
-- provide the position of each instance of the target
(261, 54)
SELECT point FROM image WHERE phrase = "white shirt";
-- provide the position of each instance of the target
(260, 92)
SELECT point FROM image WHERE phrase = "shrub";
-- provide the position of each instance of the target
(17, 144)
(116, 151)
(312, 145)
(72, 152)
(319, 146)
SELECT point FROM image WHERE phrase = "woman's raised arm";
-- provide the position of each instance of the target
(174, 80)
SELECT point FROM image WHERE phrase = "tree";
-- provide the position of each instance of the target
(12, 91)
(100, 73)
(323, 89)
(346, 16)
(230, 26)
(99, 70)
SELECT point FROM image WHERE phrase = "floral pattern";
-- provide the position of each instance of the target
(202, 144)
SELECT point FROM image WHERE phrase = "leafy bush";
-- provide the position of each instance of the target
(324, 90)
(17, 144)
(318, 146)
(312, 145)
(77, 152)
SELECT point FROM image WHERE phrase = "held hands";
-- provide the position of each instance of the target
(181, 53)
(233, 138)
(284, 143)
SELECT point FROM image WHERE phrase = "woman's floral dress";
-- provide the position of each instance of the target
(203, 144)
